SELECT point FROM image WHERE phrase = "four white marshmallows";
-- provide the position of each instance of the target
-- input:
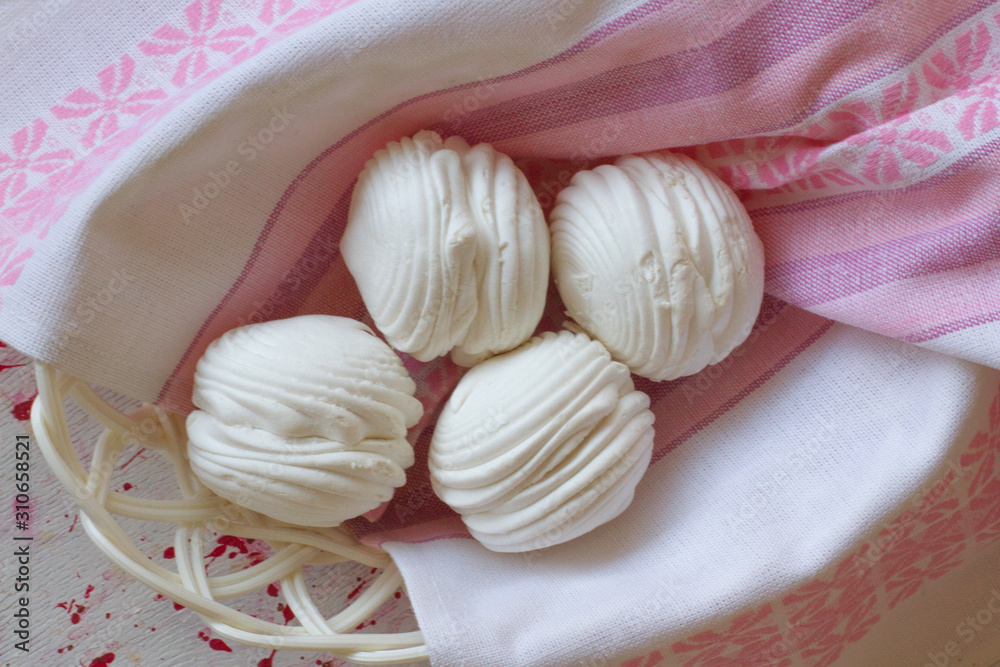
(304, 420)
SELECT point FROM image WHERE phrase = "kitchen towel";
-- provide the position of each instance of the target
(186, 168)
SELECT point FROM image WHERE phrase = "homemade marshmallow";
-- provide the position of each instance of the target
(302, 419)
(541, 444)
(448, 247)
(655, 257)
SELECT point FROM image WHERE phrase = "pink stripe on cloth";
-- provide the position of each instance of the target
(746, 77)
(724, 65)
(952, 327)
(855, 220)
(903, 309)
(778, 337)
(811, 281)
(292, 289)
(322, 185)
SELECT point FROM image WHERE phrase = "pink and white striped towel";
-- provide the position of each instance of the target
(188, 169)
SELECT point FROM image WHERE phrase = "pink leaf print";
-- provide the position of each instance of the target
(113, 81)
(981, 114)
(275, 8)
(196, 41)
(831, 612)
(984, 510)
(855, 117)
(950, 74)
(900, 98)
(12, 261)
(38, 207)
(252, 49)
(306, 16)
(750, 634)
(919, 146)
(984, 450)
(14, 168)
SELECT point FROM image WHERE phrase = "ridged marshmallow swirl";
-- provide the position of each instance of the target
(302, 419)
(656, 258)
(542, 444)
(449, 248)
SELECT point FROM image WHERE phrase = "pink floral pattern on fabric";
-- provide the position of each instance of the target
(832, 611)
(27, 157)
(950, 72)
(981, 115)
(40, 173)
(887, 147)
(108, 102)
(748, 640)
(196, 41)
(12, 261)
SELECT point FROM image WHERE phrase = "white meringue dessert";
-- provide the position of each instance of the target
(303, 419)
(657, 258)
(449, 248)
(542, 444)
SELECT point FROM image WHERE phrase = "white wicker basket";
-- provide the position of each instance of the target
(198, 511)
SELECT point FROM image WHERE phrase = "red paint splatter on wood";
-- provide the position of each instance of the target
(74, 619)
(288, 614)
(22, 411)
(216, 552)
(178, 606)
(103, 661)
(141, 450)
(236, 542)
(126, 486)
(168, 553)
(219, 645)
(203, 635)
(90, 589)
(398, 595)
(65, 648)
(76, 517)
(3, 367)
(272, 590)
(268, 661)
(357, 590)
(374, 570)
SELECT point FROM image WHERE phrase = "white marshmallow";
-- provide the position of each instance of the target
(656, 258)
(302, 419)
(448, 247)
(542, 444)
